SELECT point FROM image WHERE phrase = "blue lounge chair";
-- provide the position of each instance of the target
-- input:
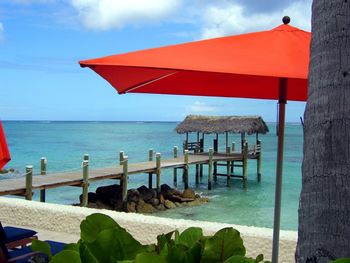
(23, 254)
(16, 236)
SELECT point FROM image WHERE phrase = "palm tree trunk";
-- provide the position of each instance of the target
(324, 210)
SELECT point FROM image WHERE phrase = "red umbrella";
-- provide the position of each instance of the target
(270, 64)
(4, 151)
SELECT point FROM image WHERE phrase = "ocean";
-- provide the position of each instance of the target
(65, 143)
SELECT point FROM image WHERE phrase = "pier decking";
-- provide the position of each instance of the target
(18, 186)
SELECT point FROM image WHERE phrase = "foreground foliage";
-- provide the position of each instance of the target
(103, 241)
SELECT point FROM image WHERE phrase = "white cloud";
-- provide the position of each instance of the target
(107, 14)
(201, 107)
(232, 18)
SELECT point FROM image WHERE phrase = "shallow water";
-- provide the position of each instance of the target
(64, 143)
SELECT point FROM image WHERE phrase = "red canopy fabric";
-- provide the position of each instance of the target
(4, 152)
(246, 66)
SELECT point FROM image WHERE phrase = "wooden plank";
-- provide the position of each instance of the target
(74, 178)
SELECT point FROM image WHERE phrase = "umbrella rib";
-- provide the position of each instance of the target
(149, 82)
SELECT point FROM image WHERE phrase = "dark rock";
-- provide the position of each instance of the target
(102, 205)
(3, 171)
(145, 193)
(131, 207)
(154, 201)
(109, 194)
(189, 193)
(194, 203)
(161, 207)
(133, 195)
(167, 191)
(168, 204)
(161, 199)
(92, 197)
(145, 208)
(176, 198)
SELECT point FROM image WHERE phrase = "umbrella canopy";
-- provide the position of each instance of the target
(246, 66)
(4, 152)
(270, 64)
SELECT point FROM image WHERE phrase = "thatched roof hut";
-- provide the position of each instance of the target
(222, 124)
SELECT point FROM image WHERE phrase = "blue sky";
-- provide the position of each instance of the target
(41, 42)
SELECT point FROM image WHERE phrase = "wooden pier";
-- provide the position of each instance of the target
(24, 186)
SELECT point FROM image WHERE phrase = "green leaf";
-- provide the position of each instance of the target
(224, 244)
(240, 259)
(70, 256)
(342, 260)
(94, 224)
(149, 258)
(259, 258)
(190, 236)
(176, 254)
(85, 254)
(42, 247)
(72, 246)
(115, 244)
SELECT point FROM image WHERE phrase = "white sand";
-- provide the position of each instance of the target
(61, 223)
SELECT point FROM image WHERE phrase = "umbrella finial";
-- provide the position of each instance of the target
(286, 20)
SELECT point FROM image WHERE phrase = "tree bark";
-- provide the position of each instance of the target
(324, 209)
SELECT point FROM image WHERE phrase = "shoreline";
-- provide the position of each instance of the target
(65, 220)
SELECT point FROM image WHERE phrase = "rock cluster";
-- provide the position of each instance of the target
(143, 199)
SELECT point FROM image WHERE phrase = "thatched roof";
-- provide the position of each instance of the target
(221, 124)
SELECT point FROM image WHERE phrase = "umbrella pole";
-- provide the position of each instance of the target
(278, 192)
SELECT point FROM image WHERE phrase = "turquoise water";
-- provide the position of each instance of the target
(64, 143)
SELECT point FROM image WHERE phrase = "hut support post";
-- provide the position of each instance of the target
(242, 141)
(29, 182)
(197, 149)
(43, 163)
(186, 169)
(233, 148)
(216, 149)
(201, 142)
(125, 183)
(258, 160)
(245, 162)
(85, 197)
(150, 175)
(210, 169)
(175, 169)
(228, 168)
(158, 171)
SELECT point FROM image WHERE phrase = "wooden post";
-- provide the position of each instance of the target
(226, 139)
(233, 148)
(43, 163)
(245, 162)
(197, 149)
(85, 198)
(186, 169)
(125, 183)
(121, 157)
(242, 141)
(158, 171)
(216, 149)
(201, 142)
(210, 169)
(228, 168)
(258, 161)
(150, 175)
(175, 169)
(29, 182)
